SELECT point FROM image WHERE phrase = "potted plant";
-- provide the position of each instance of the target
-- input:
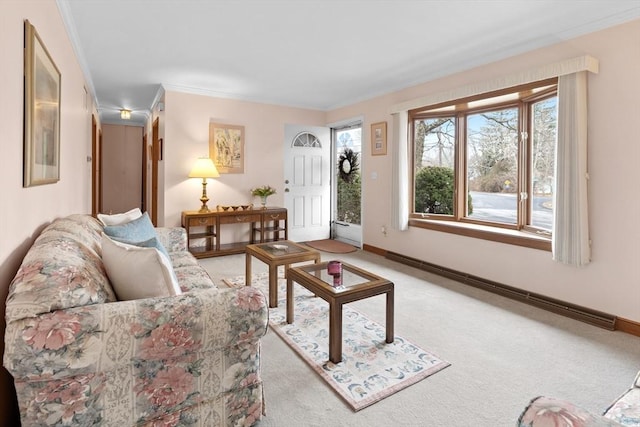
(263, 192)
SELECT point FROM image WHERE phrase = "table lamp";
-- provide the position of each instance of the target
(204, 168)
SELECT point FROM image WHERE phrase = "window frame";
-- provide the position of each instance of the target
(521, 233)
(539, 97)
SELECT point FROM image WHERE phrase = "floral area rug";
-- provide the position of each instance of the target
(371, 369)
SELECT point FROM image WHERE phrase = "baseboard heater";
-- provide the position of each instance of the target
(593, 317)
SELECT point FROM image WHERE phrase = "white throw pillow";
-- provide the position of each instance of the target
(137, 272)
(120, 218)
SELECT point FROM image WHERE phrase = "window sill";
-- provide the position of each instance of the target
(494, 234)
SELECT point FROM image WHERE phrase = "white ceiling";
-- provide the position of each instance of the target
(318, 54)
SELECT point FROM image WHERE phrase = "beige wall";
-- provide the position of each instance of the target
(611, 283)
(24, 211)
(186, 137)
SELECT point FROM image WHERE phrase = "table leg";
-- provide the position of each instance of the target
(273, 286)
(317, 273)
(286, 270)
(389, 327)
(247, 270)
(289, 300)
(335, 332)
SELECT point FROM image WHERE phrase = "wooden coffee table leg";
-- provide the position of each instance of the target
(247, 270)
(335, 332)
(273, 286)
(389, 327)
(289, 300)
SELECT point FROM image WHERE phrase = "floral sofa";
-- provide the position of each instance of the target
(80, 357)
(545, 411)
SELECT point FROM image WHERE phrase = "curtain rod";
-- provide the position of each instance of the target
(569, 66)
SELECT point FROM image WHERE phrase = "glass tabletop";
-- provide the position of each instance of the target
(282, 247)
(350, 275)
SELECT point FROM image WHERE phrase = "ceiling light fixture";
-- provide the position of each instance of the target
(125, 114)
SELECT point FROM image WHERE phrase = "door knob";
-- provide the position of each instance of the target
(286, 190)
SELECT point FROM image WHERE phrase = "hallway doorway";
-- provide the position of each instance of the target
(121, 168)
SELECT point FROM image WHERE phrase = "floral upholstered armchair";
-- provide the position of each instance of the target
(544, 411)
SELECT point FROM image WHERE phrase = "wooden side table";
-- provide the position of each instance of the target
(269, 224)
(274, 255)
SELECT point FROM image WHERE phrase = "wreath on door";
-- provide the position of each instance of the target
(348, 165)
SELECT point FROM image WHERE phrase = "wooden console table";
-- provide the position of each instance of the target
(203, 229)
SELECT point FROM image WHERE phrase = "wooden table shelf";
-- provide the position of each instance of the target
(273, 226)
(204, 229)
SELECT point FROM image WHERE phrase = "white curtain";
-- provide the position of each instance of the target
(400, 172)
(571, 243)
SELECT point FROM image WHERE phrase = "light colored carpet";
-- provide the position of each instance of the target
(502, 354)
(370, 370)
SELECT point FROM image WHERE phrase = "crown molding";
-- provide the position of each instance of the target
(69, 23)
(225, 95)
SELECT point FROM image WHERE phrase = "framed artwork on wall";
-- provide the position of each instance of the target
(379, 139)
(42, 81)
(226, 147)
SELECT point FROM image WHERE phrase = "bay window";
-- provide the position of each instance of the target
(485, 164)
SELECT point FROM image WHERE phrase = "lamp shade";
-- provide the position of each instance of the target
(204, 168)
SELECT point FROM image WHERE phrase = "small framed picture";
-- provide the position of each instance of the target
(379, 139)
(226, 147)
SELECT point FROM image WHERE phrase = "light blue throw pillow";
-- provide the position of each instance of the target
(138, 230)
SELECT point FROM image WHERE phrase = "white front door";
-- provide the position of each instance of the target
(307, 174)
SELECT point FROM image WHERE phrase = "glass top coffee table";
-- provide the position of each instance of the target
(356, 284)
(275, 254)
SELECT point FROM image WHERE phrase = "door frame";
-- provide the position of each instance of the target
(336, 126)
(155, 150)
(145, 160)
(95, 169)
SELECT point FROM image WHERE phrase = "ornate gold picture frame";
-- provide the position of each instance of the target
(42, 82)
(226, 147)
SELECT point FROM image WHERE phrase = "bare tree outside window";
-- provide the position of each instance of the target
(492, 164)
